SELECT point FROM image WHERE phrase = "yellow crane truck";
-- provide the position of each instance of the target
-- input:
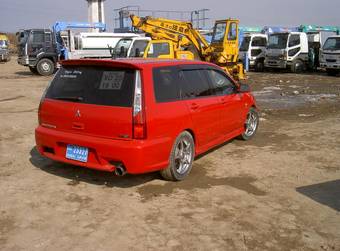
(179, 40)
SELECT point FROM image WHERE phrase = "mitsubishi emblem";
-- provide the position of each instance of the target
(78, 115)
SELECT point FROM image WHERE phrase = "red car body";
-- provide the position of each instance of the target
(141, 143)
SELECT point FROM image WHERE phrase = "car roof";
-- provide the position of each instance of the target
(138, 63)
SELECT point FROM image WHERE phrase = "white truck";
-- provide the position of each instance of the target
(94, 45)
(297, 51)
(130, 47)
(253, 48)
(287, 50)
(330, 55)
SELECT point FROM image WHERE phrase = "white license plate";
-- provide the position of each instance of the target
(77, 153)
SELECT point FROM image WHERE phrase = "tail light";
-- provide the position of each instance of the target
(42, 99)
(139, 127)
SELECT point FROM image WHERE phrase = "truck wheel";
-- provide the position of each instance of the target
(33, 70)
(259, 66)
(181, 158)
(45, 67)
(332, 72)
(297, 66)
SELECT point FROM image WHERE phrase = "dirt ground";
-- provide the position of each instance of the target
(279, 191)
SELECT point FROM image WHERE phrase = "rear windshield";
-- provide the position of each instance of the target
(93, 85)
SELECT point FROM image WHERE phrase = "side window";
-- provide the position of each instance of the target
(47, 37)
(294, 40)
(221, 84)
(138, 48)
(165, 82)
(194, 84)
(38, 37)
(232, 31)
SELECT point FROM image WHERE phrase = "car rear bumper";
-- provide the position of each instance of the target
(137, 156)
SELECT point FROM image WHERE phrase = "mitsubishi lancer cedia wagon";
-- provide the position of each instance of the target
(137, 116)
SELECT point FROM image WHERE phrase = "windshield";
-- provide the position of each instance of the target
(278, 41)
(332, 44)
(122, 48)
(245, 44)
(219, 32)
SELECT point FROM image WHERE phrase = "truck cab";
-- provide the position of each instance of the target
(287, 50)
(37, 50)
(4, 48)
(130, 47)
(253, 48)
(330, 55)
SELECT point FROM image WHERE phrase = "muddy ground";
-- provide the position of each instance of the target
(279, 191)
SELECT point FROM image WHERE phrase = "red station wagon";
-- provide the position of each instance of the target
(137, 116)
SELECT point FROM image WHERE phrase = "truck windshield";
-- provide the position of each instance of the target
(278, 41)
(219, 32)
(332, 44)
(245, 44)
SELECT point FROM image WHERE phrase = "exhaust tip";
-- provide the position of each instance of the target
(120, 170)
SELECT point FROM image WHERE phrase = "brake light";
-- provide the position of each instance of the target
(42, 99)
(139, 130)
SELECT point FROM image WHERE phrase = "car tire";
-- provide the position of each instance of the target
(181, 158)
(45, 67)
(251, 124)
(259, 66)
(297, 66)
(33, 70)
(332, 72)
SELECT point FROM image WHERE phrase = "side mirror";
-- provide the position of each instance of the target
(243, 88)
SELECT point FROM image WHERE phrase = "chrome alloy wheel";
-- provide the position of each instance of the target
(183, 156)
(251, 123)
(46, 67)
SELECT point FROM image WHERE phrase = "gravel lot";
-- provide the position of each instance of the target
(279, 191)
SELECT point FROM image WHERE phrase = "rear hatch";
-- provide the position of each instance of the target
(89, 100)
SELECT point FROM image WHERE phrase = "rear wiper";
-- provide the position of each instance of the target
(77, 99)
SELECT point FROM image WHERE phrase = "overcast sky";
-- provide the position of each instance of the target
(20, 14)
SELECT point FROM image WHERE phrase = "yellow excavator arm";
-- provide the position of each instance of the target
(186, 42)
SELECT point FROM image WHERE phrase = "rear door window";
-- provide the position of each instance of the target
(165, 81)
(194, 84)
(93, 85)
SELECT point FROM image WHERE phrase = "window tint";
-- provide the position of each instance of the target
(232, 31)
(221, 84)
(165, 81)
(93, 85)
(38, 37)
(194, 84)
(294, 40)
(259, 41)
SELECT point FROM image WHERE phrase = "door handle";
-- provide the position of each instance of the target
(223, 101)
(78, 126)
(194, 106)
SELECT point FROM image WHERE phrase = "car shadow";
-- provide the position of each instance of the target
(76, 174)
(327, 193)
